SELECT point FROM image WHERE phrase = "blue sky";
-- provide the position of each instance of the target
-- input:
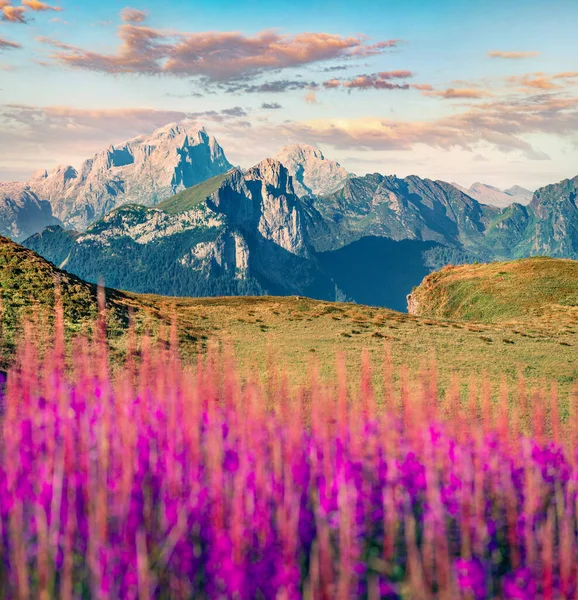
(448, 89)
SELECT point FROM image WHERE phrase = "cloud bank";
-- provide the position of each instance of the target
(218, 56)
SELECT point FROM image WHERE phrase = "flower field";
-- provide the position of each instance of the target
(160, 480)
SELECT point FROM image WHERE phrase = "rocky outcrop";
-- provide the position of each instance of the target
(227, 254)
(412, 305)
(262, 201)
(313, 174)
(22, 213)
(144, 170)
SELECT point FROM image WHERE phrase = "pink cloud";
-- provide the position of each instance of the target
(423, 87)
(567, 75)
(17, 14)
(459, 93)
(133, 15)
(512, 55)
(311, 97)
(215, 55)
(378, 81)
(540, 81)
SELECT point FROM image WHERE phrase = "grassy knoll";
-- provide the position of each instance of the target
(541, 293)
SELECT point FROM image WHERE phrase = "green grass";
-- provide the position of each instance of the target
(294, 332)
(28, 286)
(297, 331)
(541, 293)
(189, 198)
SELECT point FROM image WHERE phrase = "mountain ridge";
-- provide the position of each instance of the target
(491, 195)
(263, 230)
(246, 237)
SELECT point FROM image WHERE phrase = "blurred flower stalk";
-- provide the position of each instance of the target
(165, 481)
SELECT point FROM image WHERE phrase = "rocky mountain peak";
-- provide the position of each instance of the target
(303, 151)
(39, 175)
(493, 196)
(517, 190)
(272, 174)
(63, 173)
(482, 187)
(144, 170)
(313, 174)
(22, 213)
(170, 130)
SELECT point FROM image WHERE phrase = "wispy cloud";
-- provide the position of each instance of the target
(218, 56)
(422, 87)
(512, 55)
(376, 81)
(8, 45)
(567, 75)
(458, 93)
(501, 124)
(539, 81)
(543, 81)
(219, 116)
(268, 87)
(362, 50)
(136, 119)
(271, 106)
(335, 68)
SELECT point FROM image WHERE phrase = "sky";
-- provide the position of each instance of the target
(456, 90)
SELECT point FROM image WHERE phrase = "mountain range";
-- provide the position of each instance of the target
(169, 214)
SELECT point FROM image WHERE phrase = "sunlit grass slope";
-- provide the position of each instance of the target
(540, 292)
(189, 198)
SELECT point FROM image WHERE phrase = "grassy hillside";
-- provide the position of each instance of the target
(541, 293)
(192, 196)
(294, 330)
(28, 286)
